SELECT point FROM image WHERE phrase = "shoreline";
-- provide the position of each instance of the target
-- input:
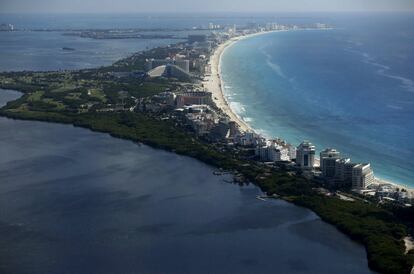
(295, 205)
(214, 83)
(164, 135)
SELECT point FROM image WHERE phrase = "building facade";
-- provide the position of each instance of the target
(362, 176)
(194, 98)
(272, 153)
(181, 63)
(343, 170)
(328, 158)
(305, 155)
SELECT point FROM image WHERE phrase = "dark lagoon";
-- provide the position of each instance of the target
(76, 201)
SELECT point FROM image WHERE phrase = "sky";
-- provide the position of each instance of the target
(111, 6)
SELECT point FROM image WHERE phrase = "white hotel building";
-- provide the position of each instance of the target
(272, 152)
(362, 176)
(305, 155)
(328, 159)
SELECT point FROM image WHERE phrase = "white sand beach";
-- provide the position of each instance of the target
(214, 83)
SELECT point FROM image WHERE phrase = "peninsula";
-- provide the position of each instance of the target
(171, 98)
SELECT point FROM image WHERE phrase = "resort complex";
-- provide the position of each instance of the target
(202, 108)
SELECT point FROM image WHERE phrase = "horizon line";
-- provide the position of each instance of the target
(207, 12)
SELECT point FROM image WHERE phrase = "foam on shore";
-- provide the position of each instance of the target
(214, 83)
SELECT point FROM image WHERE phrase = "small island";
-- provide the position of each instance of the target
(68, 49)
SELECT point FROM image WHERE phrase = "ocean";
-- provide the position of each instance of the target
(350, 88)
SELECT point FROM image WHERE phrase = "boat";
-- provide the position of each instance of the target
(261, 198)
(265, 197)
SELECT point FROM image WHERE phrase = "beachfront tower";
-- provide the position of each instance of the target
(362, 176)
(328, 159)
(305, 155)
(343, 170)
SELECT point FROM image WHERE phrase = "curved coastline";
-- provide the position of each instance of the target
(196, 156)
(226, 194)
(214, 83)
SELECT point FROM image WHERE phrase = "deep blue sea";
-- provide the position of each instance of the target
(351, 88)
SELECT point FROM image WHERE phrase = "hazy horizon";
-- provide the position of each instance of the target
(198, 6)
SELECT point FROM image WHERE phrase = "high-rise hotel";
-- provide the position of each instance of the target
(305, 155)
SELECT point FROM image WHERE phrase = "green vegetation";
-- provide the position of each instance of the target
(376, 228)
(78, 98)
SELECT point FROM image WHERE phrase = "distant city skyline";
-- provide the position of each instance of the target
(108, 6)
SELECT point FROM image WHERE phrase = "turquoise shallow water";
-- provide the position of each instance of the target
(350, 88)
